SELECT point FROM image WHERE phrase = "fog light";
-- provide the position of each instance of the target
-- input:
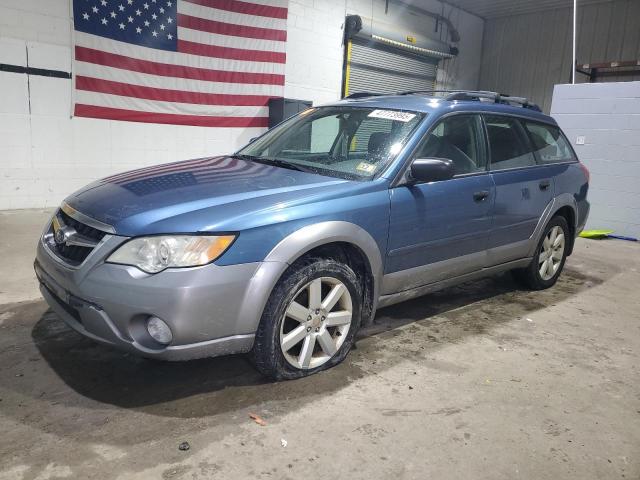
(159, 331)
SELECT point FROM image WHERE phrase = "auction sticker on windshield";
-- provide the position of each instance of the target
(392, 115)
(366, 167)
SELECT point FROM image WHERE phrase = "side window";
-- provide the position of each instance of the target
(508, 143)
(323, 133)
(549, 143)
(457, 138)
(316, 137)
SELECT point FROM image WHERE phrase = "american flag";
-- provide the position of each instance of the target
(209, 63)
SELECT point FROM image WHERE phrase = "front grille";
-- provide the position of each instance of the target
(82, 228)
(73, 254)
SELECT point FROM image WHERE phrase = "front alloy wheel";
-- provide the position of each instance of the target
(316, 323)
(310, 320)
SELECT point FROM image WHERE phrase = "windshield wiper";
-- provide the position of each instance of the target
(243, 156)
(271, 161)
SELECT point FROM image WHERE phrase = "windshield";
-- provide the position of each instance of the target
(345, 142)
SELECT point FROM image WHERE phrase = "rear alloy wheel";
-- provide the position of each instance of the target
(316, 323)
(551, 253)
(547, 263)
(310, 319)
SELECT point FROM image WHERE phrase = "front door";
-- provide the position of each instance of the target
(440, 230)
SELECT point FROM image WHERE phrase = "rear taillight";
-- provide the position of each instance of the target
(585, 170)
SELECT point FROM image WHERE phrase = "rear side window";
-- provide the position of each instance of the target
(549, 143)
(508, 142)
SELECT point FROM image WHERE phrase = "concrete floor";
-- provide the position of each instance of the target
(482, 381)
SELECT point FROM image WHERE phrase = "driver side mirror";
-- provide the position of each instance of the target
(425, 170)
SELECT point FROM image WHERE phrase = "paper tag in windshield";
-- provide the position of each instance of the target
(366, 167)
(392, 115)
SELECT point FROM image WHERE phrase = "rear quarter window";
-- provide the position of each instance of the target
(508, 143)
(549, 144)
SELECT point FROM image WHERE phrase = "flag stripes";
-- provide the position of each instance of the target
(161, 94)
(214, 26)
(243, 7)
(107, 113)
(231, 53)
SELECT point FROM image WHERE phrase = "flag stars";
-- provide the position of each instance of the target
(152, 18)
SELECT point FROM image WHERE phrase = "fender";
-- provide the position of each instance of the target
(292, 247)
(562, 200)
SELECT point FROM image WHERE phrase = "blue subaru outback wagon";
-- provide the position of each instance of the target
(285, 248)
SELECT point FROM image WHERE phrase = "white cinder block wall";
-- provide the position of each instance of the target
(45, 154)
(606, 117)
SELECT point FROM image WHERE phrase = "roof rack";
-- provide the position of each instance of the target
(479, 95)
(363, 95)
(423, 92)
(451, 95)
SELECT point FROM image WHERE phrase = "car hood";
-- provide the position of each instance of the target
(207, 194)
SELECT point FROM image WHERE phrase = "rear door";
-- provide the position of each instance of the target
(439, 230)
(523, 189)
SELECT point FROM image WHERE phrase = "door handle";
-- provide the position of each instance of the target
(481, 195)
(544, 184)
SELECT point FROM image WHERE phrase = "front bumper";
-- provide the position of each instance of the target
(111, 303)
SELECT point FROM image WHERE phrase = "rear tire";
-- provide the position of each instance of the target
(548, 261)
(310, 320)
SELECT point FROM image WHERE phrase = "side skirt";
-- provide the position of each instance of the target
(398, 297)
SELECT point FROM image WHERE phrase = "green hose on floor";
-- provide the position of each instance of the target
(600, 234)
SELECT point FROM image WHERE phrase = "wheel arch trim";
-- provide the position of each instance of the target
(293, 247)
(561, 201)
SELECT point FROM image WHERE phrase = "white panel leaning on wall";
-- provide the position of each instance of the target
(602, 120)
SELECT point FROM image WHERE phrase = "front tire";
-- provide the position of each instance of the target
(548, 261)
(310, 320)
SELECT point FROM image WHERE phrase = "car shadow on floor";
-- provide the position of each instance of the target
(211, 386)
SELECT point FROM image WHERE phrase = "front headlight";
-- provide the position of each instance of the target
(154, 254)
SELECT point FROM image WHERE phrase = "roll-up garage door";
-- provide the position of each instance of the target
(375, 67)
